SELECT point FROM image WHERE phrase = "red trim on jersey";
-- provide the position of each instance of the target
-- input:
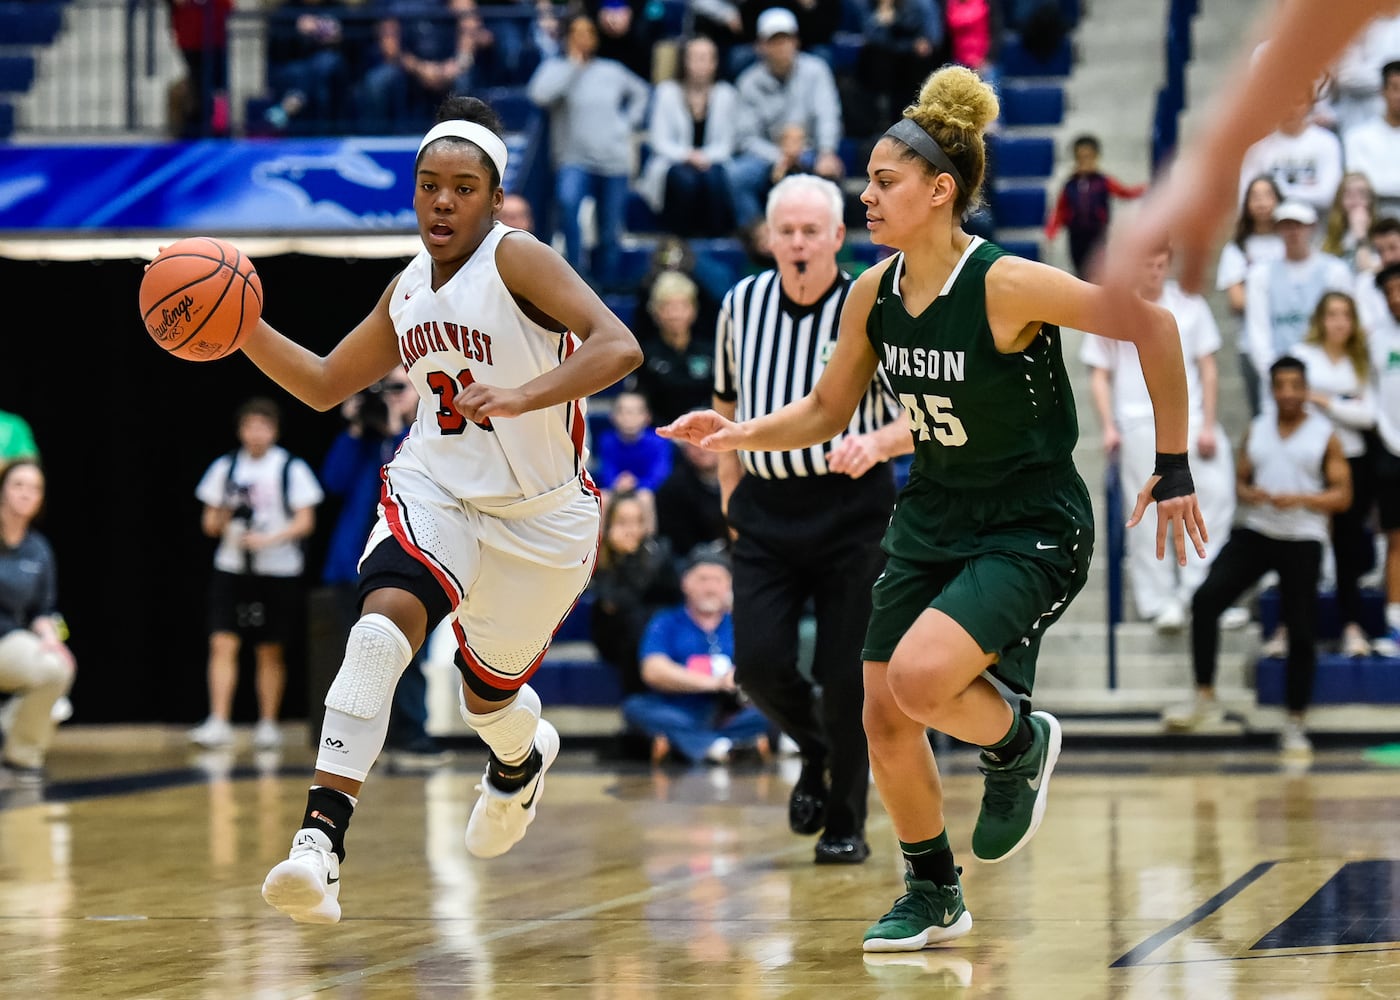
(394, 517)
(513, 683)
(486, 673)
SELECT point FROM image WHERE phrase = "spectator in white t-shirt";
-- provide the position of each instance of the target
(1355, 95)
(1161, 590)
(1338, 364)
(1253, 242)
(1373, 147)
(1303, 157)
(1385, 249)
(1280, 295)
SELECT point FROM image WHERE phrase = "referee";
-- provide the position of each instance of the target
(807, 524)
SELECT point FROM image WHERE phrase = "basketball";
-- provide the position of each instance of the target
(199, 297)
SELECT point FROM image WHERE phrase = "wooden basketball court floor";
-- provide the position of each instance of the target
(1204, 874)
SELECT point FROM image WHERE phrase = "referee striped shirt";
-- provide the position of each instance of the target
(770, 351)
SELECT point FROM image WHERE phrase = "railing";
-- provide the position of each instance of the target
(1117, 542)
(1171, 98)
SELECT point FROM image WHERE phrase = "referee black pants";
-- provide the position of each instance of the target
(817, 539)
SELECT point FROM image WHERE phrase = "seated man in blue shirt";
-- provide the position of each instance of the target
(692, 705)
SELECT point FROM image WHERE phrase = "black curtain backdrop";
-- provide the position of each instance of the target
(125, 432)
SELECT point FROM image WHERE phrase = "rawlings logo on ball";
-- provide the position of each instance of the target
(172, 319)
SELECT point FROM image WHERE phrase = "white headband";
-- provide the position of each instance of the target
(491, 144)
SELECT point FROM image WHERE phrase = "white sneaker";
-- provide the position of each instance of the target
(306, 887)
(1387, 645)
(212, 733)
(1354, 641)
(1293, 739)
(267, 735)
(1194, 714)
(499, 819)
(718, 752)
(1234, 618)
(1276, 646)
(1171, 619)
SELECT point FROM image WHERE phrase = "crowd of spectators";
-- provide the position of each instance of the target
(695, 109)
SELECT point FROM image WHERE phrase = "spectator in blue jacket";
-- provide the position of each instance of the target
(692, 707)
(632, 457)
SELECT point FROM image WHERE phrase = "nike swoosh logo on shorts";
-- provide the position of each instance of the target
(1042, 545)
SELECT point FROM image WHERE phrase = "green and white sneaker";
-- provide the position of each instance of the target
(1014, 794)
(927, 914)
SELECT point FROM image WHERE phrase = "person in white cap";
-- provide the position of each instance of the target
(785, 88)
(1280, 295)
(487, 512)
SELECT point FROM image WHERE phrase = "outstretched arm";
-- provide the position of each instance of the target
(1023, 294)
(366, 355)
(816, 417)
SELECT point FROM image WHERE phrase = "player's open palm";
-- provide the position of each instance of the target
(705, 428)
(1181, 514)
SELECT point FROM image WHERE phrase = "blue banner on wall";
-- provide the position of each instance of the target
(359, 186)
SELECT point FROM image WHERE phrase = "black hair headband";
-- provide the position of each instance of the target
(907, 131)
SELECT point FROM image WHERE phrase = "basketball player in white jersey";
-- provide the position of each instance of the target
(487, 512)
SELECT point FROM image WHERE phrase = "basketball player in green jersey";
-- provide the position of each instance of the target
(990, 540)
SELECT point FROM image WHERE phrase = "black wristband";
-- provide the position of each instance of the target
(1175, 476)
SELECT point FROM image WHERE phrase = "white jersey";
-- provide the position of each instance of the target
(472, 329)
(1290, 464)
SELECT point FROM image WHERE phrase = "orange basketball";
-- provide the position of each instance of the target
(199, 297)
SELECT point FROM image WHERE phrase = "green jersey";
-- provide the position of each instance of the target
(980, 418)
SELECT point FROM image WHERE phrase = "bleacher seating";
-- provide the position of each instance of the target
(28, 25)
(1025, 103)
(1340, 679)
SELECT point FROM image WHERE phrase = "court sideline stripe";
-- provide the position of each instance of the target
(1138, 955)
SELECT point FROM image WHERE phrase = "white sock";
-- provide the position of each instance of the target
(509, 731)
(1392, 616)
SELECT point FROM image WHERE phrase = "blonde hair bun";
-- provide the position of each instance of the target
(954, 98)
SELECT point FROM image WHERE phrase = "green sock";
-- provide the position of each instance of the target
(1016, 741)
(930, 860)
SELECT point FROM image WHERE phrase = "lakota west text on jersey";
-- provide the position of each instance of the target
(425, 338)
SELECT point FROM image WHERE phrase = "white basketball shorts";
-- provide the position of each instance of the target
(513, 572)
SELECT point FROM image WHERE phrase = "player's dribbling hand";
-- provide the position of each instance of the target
(1181, 514)
(704, 428)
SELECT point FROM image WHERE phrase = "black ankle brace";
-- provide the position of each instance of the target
(509, 777)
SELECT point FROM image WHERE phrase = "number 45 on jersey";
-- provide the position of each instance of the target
(932, 416)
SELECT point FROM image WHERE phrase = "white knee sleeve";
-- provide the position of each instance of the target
(509, 731)
(375, 655)
(361, 697)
